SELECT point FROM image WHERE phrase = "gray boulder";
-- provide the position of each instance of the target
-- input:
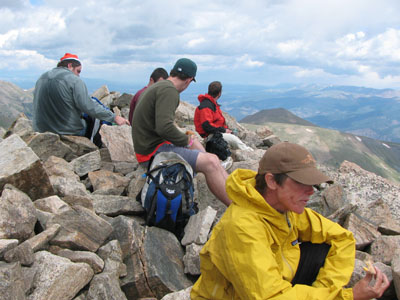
(108, 183)
(198, 227)
(7, 244)
(128, 233)
(48, 144)
(57, 277)
(41, 240)
(79, 145)
(379, 213)
(92, 259)
(101, 92)
(63, 179)
(154, 263)
(105, 286)
(191, 259)
(162, 257)
(396, 270)
(22, 127)
(12, 281)
(86, 163)
(22, 168)
(180, 295)
(81, 229)
(333, 198)
(364, 233)
(17, 214)
(123, 100)
(118, 141)
(23, 253)
(116, 205)
(111, 254)
(383, 248)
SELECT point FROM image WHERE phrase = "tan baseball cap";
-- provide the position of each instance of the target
(293, 160)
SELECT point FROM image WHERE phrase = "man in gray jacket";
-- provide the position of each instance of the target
(61, 98)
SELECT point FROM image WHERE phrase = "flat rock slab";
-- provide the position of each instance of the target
(81, 229)
(118, 140)
(116, 205)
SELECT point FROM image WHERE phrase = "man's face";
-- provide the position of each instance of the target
(76, 70)
(293, 196)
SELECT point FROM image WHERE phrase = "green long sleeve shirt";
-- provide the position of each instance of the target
(153, 118)
(60, 99)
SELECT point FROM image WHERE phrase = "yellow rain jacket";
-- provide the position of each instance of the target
(253, 251)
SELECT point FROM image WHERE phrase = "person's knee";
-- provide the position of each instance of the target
(208, 162)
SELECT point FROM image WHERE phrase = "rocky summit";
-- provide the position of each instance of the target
(71, 227)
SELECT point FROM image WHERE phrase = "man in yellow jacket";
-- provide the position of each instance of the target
(268, 245)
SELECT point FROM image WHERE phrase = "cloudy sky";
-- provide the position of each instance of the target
(265, 42)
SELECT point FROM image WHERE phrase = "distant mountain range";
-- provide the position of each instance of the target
(331, 147)
(368, 112)
(14, 100)
(363, 111)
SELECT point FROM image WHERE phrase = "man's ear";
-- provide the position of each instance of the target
(270, 181)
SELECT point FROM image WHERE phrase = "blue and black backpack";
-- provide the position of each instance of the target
(167, 195)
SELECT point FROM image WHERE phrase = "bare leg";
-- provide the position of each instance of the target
(197, 145)
(215, 174)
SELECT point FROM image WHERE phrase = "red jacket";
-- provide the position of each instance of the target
(208, 116)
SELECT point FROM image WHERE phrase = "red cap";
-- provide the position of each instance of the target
(70, 56)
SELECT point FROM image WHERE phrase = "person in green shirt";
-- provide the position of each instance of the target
(154, 130)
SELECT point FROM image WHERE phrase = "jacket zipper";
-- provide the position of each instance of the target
(284, 243)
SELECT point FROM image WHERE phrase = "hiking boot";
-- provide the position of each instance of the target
(227, 163)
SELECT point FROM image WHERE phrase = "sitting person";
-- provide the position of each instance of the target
(61, 98)
(154, 130)
(208, 118)
(268, 245)
(157, 75)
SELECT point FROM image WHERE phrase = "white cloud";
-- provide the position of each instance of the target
(292, 46)
(389, 44)
(196, 42)
(247, 61)
(267, 41)
(24, 59)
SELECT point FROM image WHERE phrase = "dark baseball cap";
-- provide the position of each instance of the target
(293, 160)
(186, 66)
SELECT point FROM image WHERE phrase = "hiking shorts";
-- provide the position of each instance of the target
(189, 155)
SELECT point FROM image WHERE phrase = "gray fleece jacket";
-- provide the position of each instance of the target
(60, 99)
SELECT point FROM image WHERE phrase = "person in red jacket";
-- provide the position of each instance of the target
(208, 117)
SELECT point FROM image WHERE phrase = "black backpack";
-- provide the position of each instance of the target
(167, 195)
(217, 145)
